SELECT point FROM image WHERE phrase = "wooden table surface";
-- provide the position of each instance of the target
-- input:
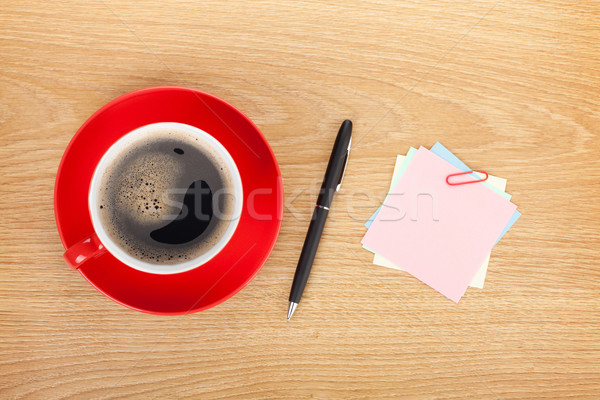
(512, 87)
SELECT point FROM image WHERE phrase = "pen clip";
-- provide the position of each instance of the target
(339, 185)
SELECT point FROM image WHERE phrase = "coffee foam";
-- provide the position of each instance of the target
(143, 188)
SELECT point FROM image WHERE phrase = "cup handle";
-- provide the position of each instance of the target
(83, 250)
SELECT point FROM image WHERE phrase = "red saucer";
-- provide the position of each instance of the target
(242, 258)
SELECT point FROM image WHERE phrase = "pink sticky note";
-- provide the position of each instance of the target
(438, 233)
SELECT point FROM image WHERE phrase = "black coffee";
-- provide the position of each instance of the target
(166, 198)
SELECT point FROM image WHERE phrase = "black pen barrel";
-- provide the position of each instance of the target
(336, 164)
(309, 250)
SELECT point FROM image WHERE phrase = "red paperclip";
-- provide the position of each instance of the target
(466, 173)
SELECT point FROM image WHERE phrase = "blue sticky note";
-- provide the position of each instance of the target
(511, 222)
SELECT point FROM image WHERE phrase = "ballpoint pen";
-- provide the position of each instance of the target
(331, 184)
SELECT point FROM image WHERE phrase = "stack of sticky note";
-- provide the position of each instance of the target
(439, 233)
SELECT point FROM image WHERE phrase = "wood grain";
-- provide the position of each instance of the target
(512, 87)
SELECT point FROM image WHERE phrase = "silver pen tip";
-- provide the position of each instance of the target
(291, 309)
